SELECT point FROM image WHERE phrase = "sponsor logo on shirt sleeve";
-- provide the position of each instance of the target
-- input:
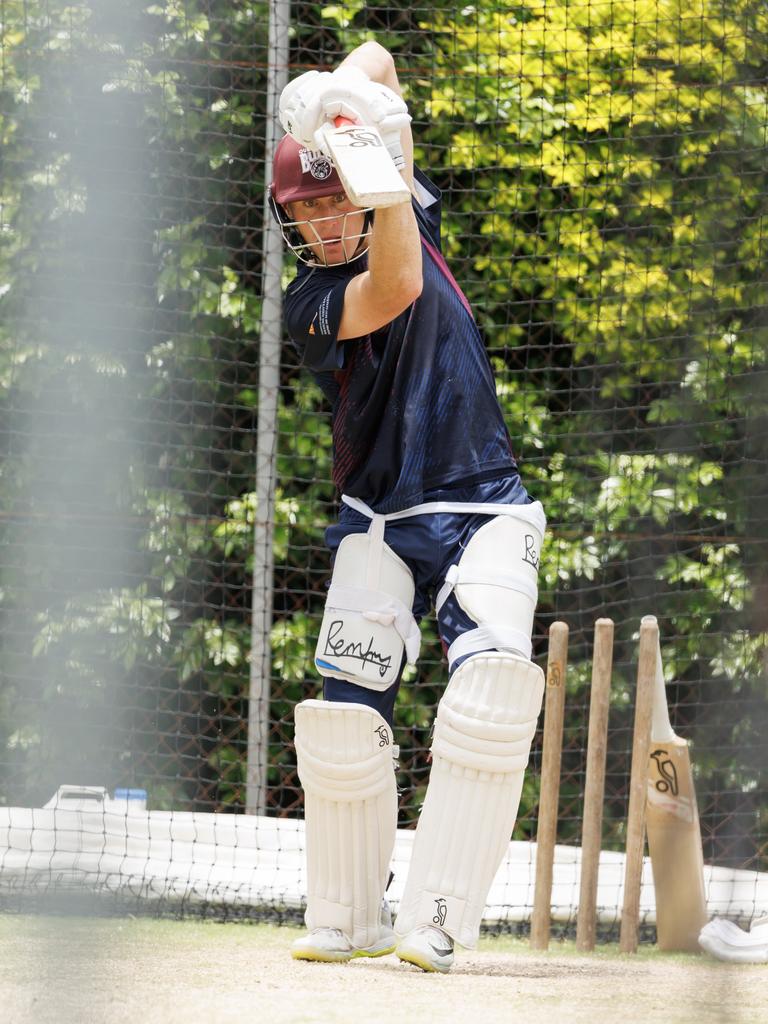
(321, 317)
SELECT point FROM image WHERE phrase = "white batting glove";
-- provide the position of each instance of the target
(351, 94)
(300, 110)
(392, 139)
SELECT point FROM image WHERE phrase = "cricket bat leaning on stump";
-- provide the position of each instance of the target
(674, 836)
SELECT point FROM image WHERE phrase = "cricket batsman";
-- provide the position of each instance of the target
(433, 512)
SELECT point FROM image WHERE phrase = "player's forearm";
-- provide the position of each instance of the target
(376, 62)
(393, 279)
(394, 257)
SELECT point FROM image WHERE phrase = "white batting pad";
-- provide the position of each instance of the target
(483, 732)
(344, 760)
(368, 618)
(496, 583)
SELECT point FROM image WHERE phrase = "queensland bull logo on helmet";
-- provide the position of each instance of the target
(315, 163)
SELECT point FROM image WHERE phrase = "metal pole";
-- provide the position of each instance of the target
(269, 381)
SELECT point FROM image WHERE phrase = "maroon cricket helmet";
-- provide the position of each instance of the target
(301, 173)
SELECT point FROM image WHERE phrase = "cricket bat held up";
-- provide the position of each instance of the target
(366, 169)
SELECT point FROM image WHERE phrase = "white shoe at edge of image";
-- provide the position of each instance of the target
(726, 941)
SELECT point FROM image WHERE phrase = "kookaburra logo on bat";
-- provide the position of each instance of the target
(363, 137)
(668, 782)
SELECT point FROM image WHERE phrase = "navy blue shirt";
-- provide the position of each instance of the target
(414, 403)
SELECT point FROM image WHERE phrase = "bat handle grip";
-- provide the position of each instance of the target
(661, 729)
(340, 121)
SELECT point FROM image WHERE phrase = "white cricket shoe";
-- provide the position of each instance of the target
(332, 946)
(726, 941)
(427, 947)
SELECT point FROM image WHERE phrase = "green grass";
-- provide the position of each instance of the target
(190, 932)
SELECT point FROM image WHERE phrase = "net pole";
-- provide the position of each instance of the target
(266, 440)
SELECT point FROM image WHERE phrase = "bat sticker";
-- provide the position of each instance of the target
(668, 782)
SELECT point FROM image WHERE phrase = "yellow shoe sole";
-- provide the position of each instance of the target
(379, 952)
(320, 957)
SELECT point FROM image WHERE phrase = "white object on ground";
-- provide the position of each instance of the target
(726, 941)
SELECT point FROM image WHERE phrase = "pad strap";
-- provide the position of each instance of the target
(489, 638)
(456, 575)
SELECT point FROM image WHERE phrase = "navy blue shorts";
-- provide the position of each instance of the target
(429, 545)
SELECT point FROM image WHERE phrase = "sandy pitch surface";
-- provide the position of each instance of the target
(110, 971)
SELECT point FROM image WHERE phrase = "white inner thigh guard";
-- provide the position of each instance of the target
(483, 731)
(496, 583)
(344, 758)
(368, 618)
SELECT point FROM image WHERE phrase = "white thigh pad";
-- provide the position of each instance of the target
(482, 739)
(344, 758)
(496, 582)
(368, 618)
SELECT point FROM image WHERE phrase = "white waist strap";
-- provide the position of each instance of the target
(532, 513)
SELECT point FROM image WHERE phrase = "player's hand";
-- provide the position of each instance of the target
(350, 93)
(300, 109)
